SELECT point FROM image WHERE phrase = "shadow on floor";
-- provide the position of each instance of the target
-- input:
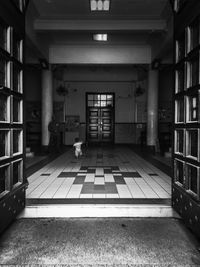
(155, 159)
(40, 159)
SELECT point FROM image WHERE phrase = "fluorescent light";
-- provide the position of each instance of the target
(106, 5)
(100, 37)
(99, 5)
(93, 5)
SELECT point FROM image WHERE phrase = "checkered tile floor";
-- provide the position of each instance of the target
(103, 173)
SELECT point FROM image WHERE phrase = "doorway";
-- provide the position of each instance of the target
(100, 118)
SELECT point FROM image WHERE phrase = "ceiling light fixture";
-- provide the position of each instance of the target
(100, 37)
(99, 5)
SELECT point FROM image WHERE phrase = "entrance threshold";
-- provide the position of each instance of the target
(97, 210)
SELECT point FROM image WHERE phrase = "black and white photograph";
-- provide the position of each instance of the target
(99, 133)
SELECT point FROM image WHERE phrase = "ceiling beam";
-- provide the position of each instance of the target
(99, 25)
(91, 54)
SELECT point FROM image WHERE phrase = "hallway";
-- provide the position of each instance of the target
(116, 174)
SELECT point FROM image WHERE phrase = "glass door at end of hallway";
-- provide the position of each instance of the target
(100, 117)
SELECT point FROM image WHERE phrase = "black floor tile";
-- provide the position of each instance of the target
(83, 168)
(114, 168)
(81, 174)
(119, 180)
(111, 188)
(88, 188)
(99, 189)
(107, 171)
(131, 174)
(91, 171)
(79, 180)
(67, 174)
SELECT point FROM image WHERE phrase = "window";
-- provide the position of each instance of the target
(179, 172)
(193, 35)
(193, 72)
(193, 177)
(179, 112)
(180, 79)
(17, 79)
(100, 100)
(4, 107)
(19, 4)
(17, 172)
(17, 47)
(180, 48)
(4, 143)
(3, 72)
(4, 174)
(179, 140)
(17, 112)
(192, 143)
(4, 37)
(192, 108)
(179, 4)
(17, 141)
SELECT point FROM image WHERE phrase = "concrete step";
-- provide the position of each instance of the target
(97, 210)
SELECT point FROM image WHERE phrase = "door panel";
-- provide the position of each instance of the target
(12, 179)
(100, 117)
(186, 182)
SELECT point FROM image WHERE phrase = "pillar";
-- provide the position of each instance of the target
(47, 104)
(152, 110)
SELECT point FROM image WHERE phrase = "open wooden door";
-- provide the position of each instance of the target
(12, 180)
(186, 184)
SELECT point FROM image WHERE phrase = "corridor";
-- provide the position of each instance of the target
(101, 173)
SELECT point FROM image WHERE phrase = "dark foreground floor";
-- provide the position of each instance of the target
(99, 242)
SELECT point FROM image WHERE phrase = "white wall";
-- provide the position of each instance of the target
(118, 80)
(99, 54)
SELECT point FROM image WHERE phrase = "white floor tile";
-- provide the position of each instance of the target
(74, 191)
(89, 178)
(123, 191)
(99, 195)
(86, 196)
(99, 181)
(109, 178)
(112, 196)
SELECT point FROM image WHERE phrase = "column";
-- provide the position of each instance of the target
(47, 104)
(152, 110)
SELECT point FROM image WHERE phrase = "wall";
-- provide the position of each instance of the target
(32, 83)
(36, 46)
(166, 86)
(99, 54)
(165, 107)
(119, 80)
(32, 88)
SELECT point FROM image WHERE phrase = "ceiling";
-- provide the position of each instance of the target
(137, 22)
(140, 9)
